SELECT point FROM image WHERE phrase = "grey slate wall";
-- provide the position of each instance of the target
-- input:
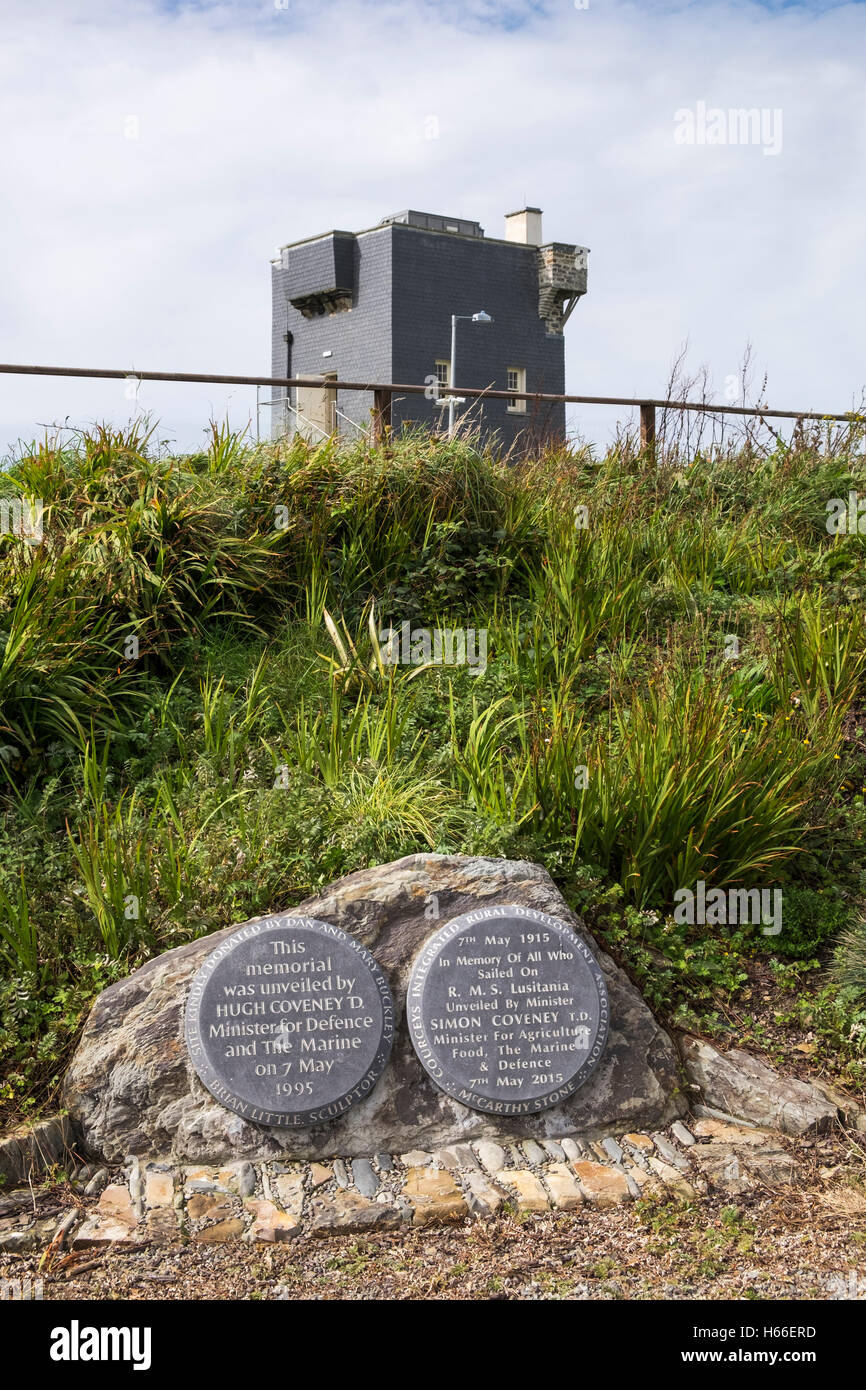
(359, 340)
(436, 275)
(408, 282)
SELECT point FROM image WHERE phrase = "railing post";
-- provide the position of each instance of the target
(647, 425)
(381, 415)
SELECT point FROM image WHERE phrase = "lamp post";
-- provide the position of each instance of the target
(480, 317)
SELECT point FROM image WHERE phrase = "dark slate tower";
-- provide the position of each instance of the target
(376, 306)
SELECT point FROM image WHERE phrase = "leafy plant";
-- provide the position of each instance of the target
(114, 857)
(18, 936)
(810, 919)
(821, 657)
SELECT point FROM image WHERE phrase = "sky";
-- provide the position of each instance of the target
(155, 155)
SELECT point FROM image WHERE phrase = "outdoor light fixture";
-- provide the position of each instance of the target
(480, 317)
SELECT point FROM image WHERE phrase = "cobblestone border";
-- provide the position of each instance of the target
(150, 1201)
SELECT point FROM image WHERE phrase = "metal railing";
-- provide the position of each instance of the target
(365, 433)
(382, 393)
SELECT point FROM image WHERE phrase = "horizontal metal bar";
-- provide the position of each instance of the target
(538, 397)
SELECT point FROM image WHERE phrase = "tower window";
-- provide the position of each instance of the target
(443, 372)
(515, 380)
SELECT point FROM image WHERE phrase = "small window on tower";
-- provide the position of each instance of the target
(443, 372)
(516, 381)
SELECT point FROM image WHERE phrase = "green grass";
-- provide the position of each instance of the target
(197, 723)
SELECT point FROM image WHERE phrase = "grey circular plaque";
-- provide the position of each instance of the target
(507, 1010)
(289, 1022)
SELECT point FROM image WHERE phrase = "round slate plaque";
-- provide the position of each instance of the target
(289, 1022)
(507, 1010)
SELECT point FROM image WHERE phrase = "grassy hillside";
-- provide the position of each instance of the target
(197, 722)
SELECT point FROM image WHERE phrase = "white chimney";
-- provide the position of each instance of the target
(524, 226)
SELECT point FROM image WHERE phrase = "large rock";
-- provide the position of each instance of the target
(132, 1090)
(746, 1087)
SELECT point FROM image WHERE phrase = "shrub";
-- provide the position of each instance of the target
(849, 965)
(810, 919)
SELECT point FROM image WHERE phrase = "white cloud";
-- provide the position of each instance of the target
(257, 125)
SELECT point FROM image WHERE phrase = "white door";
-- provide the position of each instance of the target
(316, 401)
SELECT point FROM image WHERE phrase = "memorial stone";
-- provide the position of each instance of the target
(133, 1086)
